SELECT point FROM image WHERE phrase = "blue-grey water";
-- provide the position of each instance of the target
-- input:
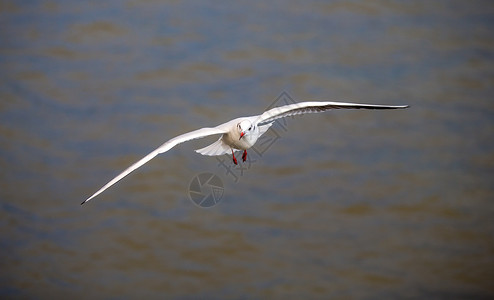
(341, 205)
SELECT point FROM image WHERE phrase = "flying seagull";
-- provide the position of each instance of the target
(241, 133)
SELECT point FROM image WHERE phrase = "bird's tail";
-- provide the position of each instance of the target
(216, 148)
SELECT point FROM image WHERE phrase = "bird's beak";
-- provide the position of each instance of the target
(241, 135)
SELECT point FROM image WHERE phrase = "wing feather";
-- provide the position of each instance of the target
(199, 133)
(315, 107)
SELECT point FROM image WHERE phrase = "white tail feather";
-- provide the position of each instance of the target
(216, 148)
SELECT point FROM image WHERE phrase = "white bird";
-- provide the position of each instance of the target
(241, 133)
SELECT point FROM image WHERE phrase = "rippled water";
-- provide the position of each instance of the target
(346, 204)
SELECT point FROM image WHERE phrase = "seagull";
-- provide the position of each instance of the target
(241, 133)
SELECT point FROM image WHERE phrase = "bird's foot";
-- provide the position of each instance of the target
(234, 159)
(244, 156)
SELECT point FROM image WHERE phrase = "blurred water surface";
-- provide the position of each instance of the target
(347, 204)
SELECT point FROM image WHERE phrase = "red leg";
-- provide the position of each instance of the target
(234, 159)
(244, 156)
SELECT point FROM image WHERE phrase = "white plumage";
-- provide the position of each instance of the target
(241, 133)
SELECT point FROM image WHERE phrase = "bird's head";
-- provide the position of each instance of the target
(244, 127)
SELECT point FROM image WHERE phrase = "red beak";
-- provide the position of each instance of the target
(241, 135)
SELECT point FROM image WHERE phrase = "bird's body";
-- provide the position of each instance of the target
(241, 133)
(232, 140)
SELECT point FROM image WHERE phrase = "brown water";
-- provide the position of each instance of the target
(346, 204)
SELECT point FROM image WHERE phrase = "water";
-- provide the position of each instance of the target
(346, 204)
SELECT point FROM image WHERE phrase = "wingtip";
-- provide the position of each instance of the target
(401, 106)
(83, 202)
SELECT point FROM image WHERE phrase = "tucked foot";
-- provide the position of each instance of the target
(234, 159)
(244, 156)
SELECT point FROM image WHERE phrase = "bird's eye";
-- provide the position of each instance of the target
(250, 128)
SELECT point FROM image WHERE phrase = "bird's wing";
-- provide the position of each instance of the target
(203, 132)
(314, 107)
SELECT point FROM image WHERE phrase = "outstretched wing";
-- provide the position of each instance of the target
(314, 107)
(203, 132)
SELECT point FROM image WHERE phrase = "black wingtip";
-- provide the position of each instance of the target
(83, 202)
